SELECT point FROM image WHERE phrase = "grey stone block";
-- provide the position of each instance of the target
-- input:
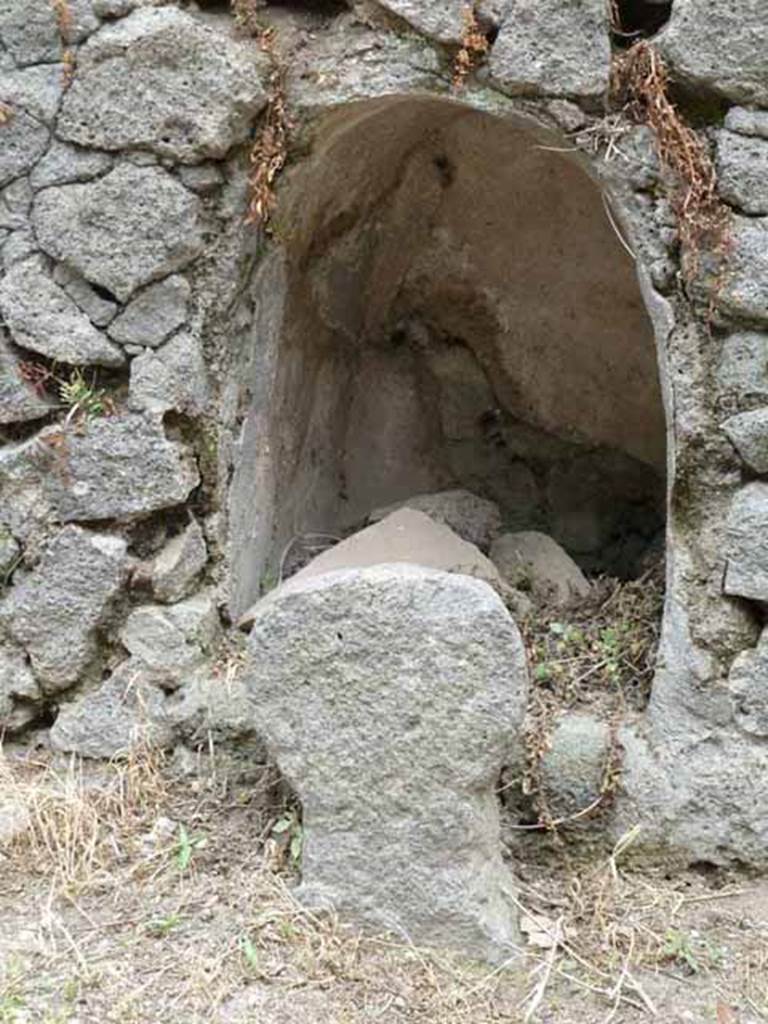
(153, 314)
(746, 573)
(742, 171)
(391, 697)
(117, 467)
(56, 611)
(717, 46)
(132, 226)
(162, 80)
(42, 317)
(553, 48)
(748, 433)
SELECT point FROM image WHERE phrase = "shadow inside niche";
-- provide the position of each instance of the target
(638, 19)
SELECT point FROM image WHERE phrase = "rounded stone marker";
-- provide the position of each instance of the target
(391, 696)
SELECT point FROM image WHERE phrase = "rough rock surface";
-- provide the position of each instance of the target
(444, 22)
(747, 121)
(161, 80)
(24, 142)
(746, 573)
(171, 640)
(9, 551)
(133, 226)
(742, 371)
(742, 171)
(474, 519)
(63, 164)
(552, 48)
(748, 685)
(572, 769)
(714, 46)
(99, 310)
(359, 673)
(19, 691)
(118, 467)
(745, 292)
(29, 30)
(42, 317)
(175, 569)
(55, 612)
(121, 714)
(153, 314)
(19, 401)
(215, 707)
(173, 377)
(530, 560)
(748, 433)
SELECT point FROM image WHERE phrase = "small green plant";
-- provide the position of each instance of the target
(159, 927)
(289, 826)
(186, 847)
(250, 953)
(690, 951)
(83, 400)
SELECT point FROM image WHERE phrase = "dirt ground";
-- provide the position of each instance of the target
(162, 892)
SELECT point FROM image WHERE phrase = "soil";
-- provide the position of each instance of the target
(147, 893)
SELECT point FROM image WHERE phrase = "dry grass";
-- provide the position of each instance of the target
(641, 84)
(63, 14)
(270, 148)
(474, 47)
(133, 932)
(6, 114)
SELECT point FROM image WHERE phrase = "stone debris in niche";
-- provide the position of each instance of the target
(572, 769)
(552, 48)
(56, 610)
(19, 691)
(713, 47)
(99, 310)
(746, 573)
(30, 33)
(172, 377)
(63, 164)
(474, 519)
(125, 712)
(748, 689)
(170, 641)
(532, 561)
(748, 433)
(742, 171)
(161, 80)
(153, 314)
(407, 535)
(20, 402)
(42, 317)
(441, 661)
(131, 227)
(174, 571)
(25, 139)
(115, 467)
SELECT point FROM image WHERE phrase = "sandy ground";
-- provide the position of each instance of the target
(132, 894)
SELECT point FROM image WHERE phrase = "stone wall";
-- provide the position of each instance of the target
(157, 351)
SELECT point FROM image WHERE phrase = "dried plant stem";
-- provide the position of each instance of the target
(640, 79)
(270, 148)
(474, 46)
